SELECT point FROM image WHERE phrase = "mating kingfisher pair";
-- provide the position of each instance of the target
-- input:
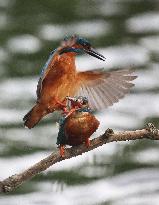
(60, 78)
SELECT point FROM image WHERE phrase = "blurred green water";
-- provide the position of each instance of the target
(27, 19)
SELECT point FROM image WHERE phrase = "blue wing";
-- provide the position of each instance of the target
(43, 72)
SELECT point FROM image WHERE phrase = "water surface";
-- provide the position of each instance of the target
(126, 32)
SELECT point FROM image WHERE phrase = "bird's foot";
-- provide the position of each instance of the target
(62, 104)
(70, 112)
(87, 142)
(62, 151)
(65, 111)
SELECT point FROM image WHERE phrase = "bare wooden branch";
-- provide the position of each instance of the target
(9, 184)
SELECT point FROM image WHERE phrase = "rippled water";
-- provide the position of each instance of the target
(126, 32)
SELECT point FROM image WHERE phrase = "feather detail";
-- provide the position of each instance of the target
(44, 72)
(103, 88)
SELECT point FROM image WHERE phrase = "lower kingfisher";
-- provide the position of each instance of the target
(59, 78)
(77, 124)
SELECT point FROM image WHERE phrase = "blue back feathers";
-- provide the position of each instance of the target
(47, 62)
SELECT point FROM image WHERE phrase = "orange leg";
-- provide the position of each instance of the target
(70, 112)
(62, 103)
(62, 150)
(65, 110)
(87, 142)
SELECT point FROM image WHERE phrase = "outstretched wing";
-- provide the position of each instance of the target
(103, 88)
(44, 72)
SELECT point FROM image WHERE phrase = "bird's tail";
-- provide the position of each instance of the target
(34, 116)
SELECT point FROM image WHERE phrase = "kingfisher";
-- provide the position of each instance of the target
(76, 124)
(59, 78)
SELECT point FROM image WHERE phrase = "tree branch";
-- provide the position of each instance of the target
(10, 183)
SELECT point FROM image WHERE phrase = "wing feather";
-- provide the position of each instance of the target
(103, 88)
(44, 71)
(106, 100)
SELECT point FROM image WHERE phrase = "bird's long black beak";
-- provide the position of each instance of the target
(95, 54)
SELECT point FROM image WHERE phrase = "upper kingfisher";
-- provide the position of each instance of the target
(59, 79)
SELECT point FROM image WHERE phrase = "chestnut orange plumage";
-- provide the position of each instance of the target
(77, 124)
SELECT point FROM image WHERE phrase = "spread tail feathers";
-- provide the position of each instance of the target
(34, 116)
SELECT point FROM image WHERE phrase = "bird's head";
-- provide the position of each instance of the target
(77, 45)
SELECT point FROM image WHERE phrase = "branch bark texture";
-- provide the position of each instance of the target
(10, 183)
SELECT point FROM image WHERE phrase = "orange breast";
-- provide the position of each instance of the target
(59, 81)
(79, 127)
